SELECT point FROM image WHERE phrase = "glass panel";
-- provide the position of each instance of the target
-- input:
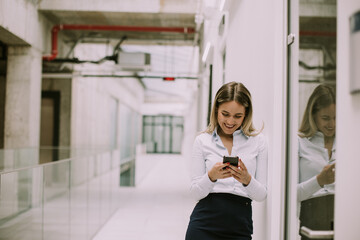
(93, 198)
(6, 161)
(126, 134)
(56, 209)
(147, 120)
(78, 201)
(178, 120)
(137, 127)
(26, 157)
(148, 138)
(159, 120)
(18, 221)
(158, 138)
(67, 199)
(167, 139)
(315, 130)
(177, 139)
(113, 122)
(166, 120)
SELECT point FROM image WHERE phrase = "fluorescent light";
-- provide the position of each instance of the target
(206, 52)
(222, 5)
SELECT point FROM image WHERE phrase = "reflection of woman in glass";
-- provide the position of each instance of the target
(316, 160)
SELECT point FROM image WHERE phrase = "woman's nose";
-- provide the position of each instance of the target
(230, 120)
(332, 123)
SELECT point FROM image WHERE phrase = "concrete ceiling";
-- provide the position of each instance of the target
(317, 22)
(181, 20)
(318, 31)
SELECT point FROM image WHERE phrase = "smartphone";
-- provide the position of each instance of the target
(232, 160)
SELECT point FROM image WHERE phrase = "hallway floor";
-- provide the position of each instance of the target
(158, 208)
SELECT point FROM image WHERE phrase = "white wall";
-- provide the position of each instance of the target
(255, 56)
(92, 98)
(347, 198)
(179, 6)
(91, 107)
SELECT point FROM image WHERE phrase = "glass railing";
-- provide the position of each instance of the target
(11, 159)
(66, 199)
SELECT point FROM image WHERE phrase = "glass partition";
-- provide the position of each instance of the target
(311, 150)
(163, 133)
(15, 210)
(65, 199)
(56, 201)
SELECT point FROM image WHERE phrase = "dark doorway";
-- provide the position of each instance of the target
(49, 128)
(3, 64)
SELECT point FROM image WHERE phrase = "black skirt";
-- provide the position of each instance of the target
(221, 216)
(317, 213)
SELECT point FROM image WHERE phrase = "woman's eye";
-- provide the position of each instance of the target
(238, 117)
(225, 114)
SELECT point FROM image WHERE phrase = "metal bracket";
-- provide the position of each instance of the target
(314, 234)
(290, 39)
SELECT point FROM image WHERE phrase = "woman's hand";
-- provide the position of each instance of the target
(327, 175)
(241, 173)
(219, 171)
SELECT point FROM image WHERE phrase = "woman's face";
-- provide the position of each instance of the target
(325, 120)
(230, 116)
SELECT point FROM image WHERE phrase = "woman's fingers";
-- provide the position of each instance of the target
(226, 174)
(225, 170)
(242, 165)
(222, 170)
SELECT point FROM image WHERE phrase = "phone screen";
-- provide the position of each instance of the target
(232, 160)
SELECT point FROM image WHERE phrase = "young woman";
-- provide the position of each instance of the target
(316, 160)
(224, 191)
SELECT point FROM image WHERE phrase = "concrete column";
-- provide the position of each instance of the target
(23, 97)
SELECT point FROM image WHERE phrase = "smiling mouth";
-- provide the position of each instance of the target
(229, 126)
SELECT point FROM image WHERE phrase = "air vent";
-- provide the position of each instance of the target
(134, 61)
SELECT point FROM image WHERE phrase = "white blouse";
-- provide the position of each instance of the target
(208, 149)
(313, 157)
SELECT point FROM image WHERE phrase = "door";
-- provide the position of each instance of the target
(3, 59)
(49, 126)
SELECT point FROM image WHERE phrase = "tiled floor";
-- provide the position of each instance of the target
(158, 208)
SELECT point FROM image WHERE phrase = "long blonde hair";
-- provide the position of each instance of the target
(323, 96)
(233, 91)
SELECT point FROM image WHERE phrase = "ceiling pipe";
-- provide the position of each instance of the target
(57, 28)
(317, 33)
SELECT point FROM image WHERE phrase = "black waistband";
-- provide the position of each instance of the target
(230, 197)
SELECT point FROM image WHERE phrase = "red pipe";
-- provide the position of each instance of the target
(313, 33)
(57, 28)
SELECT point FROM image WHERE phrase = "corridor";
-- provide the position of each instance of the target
(158, 208)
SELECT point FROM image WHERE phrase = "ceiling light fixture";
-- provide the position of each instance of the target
(206, 52)
(222, 5)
